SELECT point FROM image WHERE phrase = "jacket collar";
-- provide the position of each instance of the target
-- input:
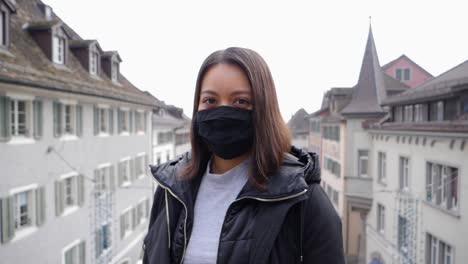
(298, 171)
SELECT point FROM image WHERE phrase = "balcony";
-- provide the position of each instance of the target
(359, 192)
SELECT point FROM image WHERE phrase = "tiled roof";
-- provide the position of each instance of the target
(26, 64)
(370, 90)
(438, 86)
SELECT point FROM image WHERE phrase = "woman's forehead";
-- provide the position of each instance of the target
(223, 78)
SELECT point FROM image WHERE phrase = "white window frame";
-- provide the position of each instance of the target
(380, 218)
(73, 246)
(114, 70)
(93, 60)
(402, 71)
(68, 208)
(445, 178)
(360, 160)
(128, 179)
(139, 122)
(434, 246)
(28, 137)
(25, 230)
(140, 166)
(127, 213)
(103, 179)
(58, 49)
(142, 211)
(3, 28)
(125, 119)
(405, 170)
(382, 166)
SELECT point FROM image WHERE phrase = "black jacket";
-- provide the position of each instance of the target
(292, 218)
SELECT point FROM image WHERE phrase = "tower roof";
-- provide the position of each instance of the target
(369, 92)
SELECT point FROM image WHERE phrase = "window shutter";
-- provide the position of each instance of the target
(40, 206)
(59, 203)
(122, 226)
(119, 121)
(57, 119)
(146, 167)
(120, 168)
(81, 189)
(132, 169)
(4, 118)
(7, 225)
(79, 120)
(111, 121)
(112, 178)
(145, 121)
(147, 208)
(130, 117)
(98, 243)
(96, 120)
(82, 252)
(37, 119)
(134, 218)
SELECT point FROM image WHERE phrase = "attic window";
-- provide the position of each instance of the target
(403, 74)
(3, 28)
(115, 71)
(93, 60)
(5, 12)
(58, 49)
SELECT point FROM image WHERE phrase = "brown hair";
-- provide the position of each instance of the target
(271, 136)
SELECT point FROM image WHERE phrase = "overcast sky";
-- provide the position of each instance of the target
(310, 46)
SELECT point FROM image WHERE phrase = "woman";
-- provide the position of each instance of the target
(243, 194)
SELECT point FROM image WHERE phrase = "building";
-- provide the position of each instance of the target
(407, 71)
(299, 127)
(419, 157)
(171, 132)
(337, 131)
(75, 143)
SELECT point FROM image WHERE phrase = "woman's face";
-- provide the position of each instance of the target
(227, 85)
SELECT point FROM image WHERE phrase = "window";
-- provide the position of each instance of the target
(75, 253)
(403, 235)
(382, 167)
(436, 111)
(142, 211)
(125, 117)
(158, 158)
(164, 137)
(93, 60)
(102, 239)
(315, 126)
(124, 172)
(409, 113)
(3, 28)
(128, 222)
(22, 211)
(332, 166)
(168, 155)
(69, 193)
(331, 133)
(363, 157)
(103, 120)
(115, 71)
(335, 197)
(104, 179)
(404, 173)
(398, 113)
(403, 74)
(420, 112)
(58, 49)
(438, 251)
(140, 121)
(380, 218)
(67, 118)
(141, 164)
(442, 186)
(19, 118)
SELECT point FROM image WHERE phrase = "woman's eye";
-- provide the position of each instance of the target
(208, 101)
(242, 101)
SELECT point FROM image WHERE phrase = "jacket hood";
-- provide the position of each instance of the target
(299, 170)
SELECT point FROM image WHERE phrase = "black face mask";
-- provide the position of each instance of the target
(228, 131)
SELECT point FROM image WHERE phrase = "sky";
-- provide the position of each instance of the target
(310, 46)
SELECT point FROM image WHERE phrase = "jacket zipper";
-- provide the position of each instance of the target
(258, 199)
(185, 219)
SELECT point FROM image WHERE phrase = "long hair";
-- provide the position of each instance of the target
(271, 136)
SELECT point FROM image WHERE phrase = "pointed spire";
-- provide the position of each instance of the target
(370, 91)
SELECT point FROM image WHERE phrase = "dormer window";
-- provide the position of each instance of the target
(115, 71)
(6, 8)
(59, 49)
(403, 74)
(93, 60)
